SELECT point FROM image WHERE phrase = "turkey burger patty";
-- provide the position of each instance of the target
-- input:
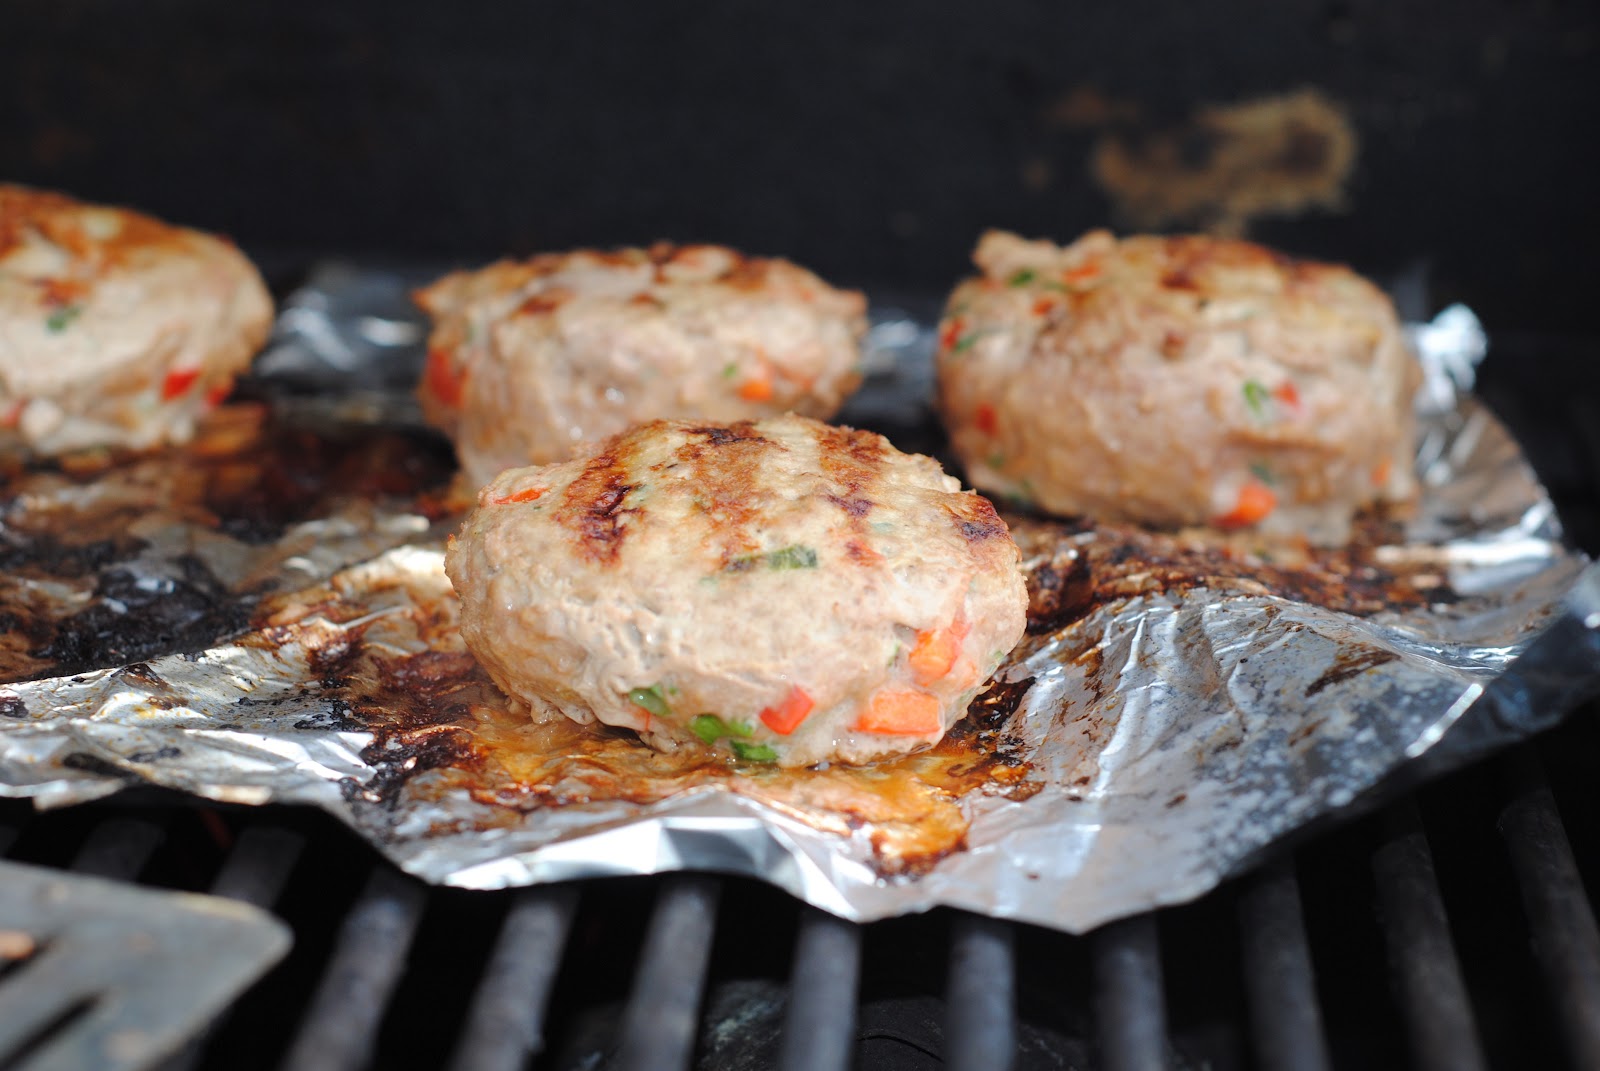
(779, 590)
(115, 329)
(529, 359)
(1178, 381)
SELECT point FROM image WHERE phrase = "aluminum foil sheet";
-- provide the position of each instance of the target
(1176, 708)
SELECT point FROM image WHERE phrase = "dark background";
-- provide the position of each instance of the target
(870, 141)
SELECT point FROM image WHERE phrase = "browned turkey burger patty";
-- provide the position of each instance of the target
(529, 359)
(1178, 381)
(115, 329)
(780, 590)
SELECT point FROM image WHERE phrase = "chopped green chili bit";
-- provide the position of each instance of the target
(995, 461)
(652, 699)
(1261, 472)
(59, 320)
(711, 728)
(1023, 277)
(965, 342)
(795, 556)
(1256, 396)
(753, 752)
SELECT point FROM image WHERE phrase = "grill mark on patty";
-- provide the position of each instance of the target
(591, 507)
(977, 520)
(59, 220)
(852, 461)
(726, 469)
(545, 301)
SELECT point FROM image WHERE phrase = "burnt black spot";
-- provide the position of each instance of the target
(12, 707)
(81, 760)
(742, 432)
(336, 717)
(333, 663)
(65, 561)
(1059, 590)
(135, 616)
(398, 757)
(168, 752)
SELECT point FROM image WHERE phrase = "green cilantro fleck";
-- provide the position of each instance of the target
(1261, 472)
(730, 370)
(965, 342)
(753, 752)
(711, 728)
(1256, 396)
(796, 556)
(59, 320)
(995, 461)
(1023, 277)
(651, 699)
(793, 557)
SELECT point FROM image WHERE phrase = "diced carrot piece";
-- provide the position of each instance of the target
(1381, 472)
(217, 392)
(527, 494)
(758, 389)
(1256, 501)
(178, 381)
(1081, 274)
(951, 332)
(442, 379)
(900, 712)
(986, 419)
(1043, 306)
(1288, 394)
(935, 652)
(786, 717)
(13, 416)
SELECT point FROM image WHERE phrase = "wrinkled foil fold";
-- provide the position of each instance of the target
(1207, 725)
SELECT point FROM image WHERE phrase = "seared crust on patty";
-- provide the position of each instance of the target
(780, 590)
(115, 329)
(1178, 381)
(530, 358)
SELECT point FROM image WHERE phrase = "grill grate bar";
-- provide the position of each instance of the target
(118, 848)
(254, 873)
(819, 1025)
(658, 1032)
(1561, 922)
(980, 996)
(258, 867)
(1286, 1023)
(1130, 1005)
(342, 1021)
(1422, 956)
(506, 1023)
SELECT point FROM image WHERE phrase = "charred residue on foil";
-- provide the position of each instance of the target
(114, 558)
(440, 726)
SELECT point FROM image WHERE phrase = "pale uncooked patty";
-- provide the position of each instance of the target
(529, 359)
(115, 329)
(1178, 381)
(780, 590)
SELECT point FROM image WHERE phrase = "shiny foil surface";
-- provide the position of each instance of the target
(1179, 704)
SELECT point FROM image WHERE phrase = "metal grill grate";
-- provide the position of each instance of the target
(1384, 964)
(1451, 931)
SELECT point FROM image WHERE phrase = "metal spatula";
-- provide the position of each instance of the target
(98, 974)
